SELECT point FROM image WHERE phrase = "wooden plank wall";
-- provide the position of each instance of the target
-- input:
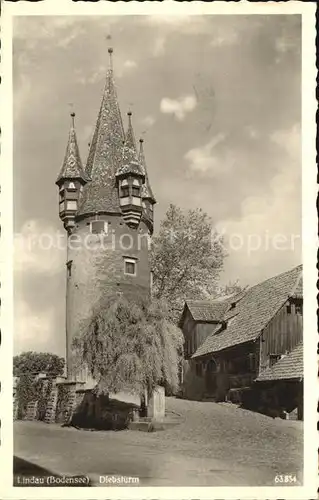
(281, 335)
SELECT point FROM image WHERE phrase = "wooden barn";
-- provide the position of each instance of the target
(230, 342)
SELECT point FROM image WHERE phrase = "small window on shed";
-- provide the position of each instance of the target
(298, 309)
(98, 227)
(288, 309)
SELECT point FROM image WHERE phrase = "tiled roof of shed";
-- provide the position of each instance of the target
(207, 310)
(298, 291)
(252, 313)
(288, 367)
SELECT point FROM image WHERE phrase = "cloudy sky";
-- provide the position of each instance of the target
(217, 100)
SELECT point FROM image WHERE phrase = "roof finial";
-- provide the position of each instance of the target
(72, 113)
(110, 51)
(72, 118)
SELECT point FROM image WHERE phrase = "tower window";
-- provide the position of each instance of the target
(135, 191)
(71, 186)
(125, 192)
(98, 226)
(130, 266)
(71, 205)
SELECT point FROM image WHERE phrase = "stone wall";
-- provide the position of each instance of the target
(97, 268)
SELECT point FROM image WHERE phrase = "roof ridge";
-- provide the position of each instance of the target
(274, 277)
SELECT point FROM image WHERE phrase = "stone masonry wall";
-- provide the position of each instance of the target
(99, 269)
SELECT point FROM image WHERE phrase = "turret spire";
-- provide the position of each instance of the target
(105, 155)
(72, 165)
(147, 192)
(130, 162)
(71, 180)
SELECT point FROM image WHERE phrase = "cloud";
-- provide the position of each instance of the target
(202, 160)
(271, 221)
(148, 120)
(39, 248)
(229, 38)
(289, 140)
(92, 78)
(284, 44)
(252, 132)
(178, 107)
(159, 46)
(33, 330)
(186, 24)
(130, 64)
(65, 41)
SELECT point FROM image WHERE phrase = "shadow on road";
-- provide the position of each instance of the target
(28, 474)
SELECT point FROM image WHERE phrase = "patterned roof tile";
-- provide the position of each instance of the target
(207, 310)
(130, 163)
(147, 192)
(72, 167)
(252, 312)
(105, 155)
(288, 367)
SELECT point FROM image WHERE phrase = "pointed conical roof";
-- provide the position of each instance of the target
(130, 163)
(105, 154)
(72, 167)
(147, 192)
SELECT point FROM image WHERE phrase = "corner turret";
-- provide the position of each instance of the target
(130, 179)
(71, 180)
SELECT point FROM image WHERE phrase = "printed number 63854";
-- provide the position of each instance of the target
(285, 479)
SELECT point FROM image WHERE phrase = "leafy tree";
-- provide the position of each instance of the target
(129, 345)
(187, 258)
(33, 363)
(231, 288)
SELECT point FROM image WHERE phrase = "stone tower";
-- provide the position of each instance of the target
(107, 211)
